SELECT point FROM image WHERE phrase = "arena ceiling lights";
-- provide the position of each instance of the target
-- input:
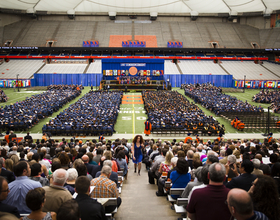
(162, 7)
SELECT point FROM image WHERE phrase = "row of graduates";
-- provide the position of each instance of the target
(212, 98)
(22, 115)
(269, 96)
(95, 113)
(65, 87)
(171, 110)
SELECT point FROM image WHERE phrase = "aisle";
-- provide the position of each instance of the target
(139, 200)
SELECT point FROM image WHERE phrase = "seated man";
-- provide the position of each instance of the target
(209, 202)
(241, 206)
(105, 188)
(20, 187)
(113, 176)
(89, 208)
(56, 194)
(69, 210)
(4, 191)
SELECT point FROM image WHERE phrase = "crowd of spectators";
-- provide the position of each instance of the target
(212, 98)
(24, 114)
(269, 96)
(171, 110)
(46, 174)
(3, 96)
(95, 113)
(219, 171)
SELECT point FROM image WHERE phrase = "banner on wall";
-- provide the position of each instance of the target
(10, 83)
(256, 84)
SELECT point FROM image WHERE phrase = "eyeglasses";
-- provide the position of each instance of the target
(7, 190)
(226, 202)
(253, 183)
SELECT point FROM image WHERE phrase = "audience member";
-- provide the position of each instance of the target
(245, 179)
(56, 194)
(20, 187)
(209, 202)
(105, 188)
(265, 196)
(241, 206)
(69, 210)
(9, 176)
(89, 208)
(35, 200)
(4, 191)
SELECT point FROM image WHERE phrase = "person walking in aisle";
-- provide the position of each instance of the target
(136, 150)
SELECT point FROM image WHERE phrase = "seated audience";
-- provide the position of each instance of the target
(180, 176)
(35, 200)
(4, 191)
(241, 206)
(105, 188)
(89, 208)
(36, 171)
(20, 187)
(56, 194)
(265, 196)
(6, 173)
(69, 210)
(209, 202)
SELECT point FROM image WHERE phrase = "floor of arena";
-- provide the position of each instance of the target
(132, 116)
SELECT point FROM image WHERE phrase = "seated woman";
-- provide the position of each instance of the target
(265, 196)
(36, 171)
(35, 200)
(166, 165)
(122, 162)
(180, 177)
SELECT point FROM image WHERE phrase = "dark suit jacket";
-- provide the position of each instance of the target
(89, 208)
(8, 175)
(244, 181)
(10, 209)
(93, 169)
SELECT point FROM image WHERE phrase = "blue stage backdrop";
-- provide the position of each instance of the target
(66, 79)
(219, 80)
(118, 65)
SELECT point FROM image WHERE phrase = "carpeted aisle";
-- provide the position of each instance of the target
(139, 200)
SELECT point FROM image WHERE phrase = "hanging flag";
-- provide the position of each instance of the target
(248, 84)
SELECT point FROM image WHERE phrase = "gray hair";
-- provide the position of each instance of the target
(108, 163)
(198, 174)
(217, 172)
(106, 170)
(60, 176)
(257, 163)
(72, 174)
(232, 159)
(223, 153)
(174, 160)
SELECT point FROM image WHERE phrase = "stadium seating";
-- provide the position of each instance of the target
(63, 68)
(95, 67)
(193, 34)
(25, 68)
(201, 67)
(170, 68)
(252, 71)
(274, 67)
